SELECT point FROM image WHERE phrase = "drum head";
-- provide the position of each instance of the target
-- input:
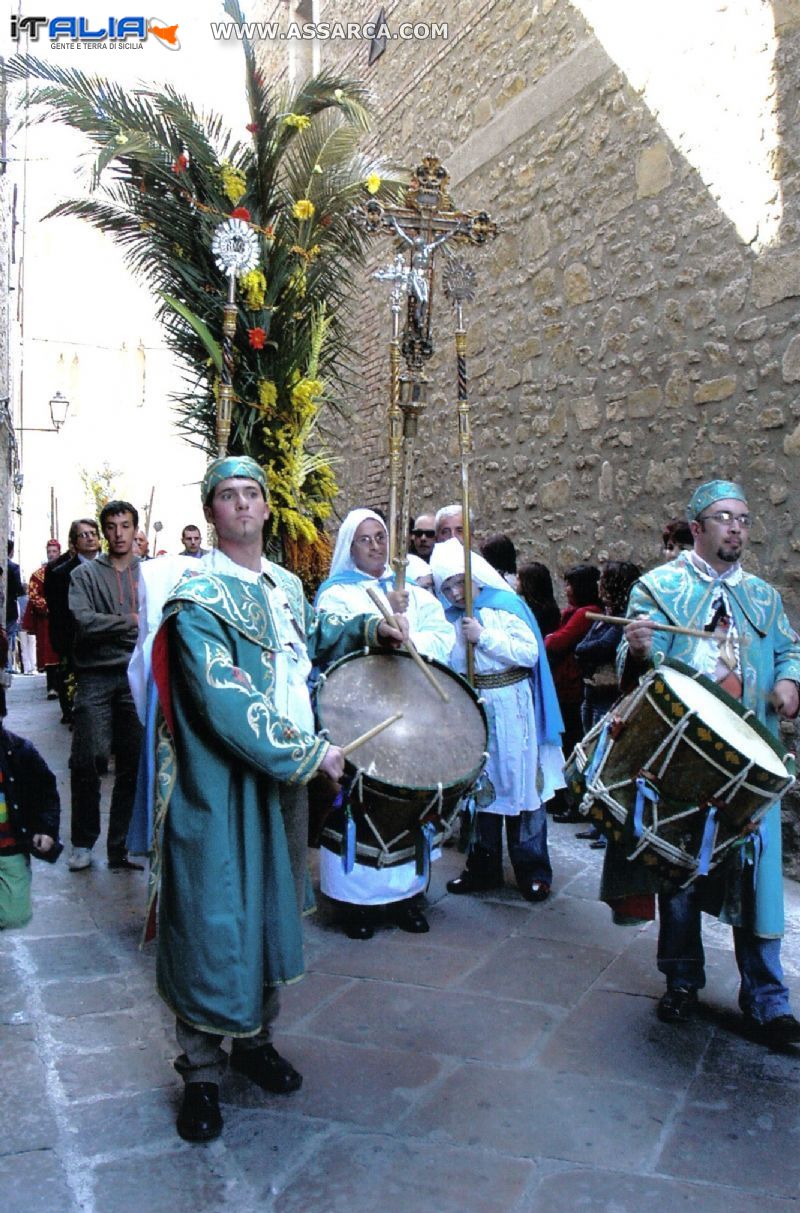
(725, 723)
(434, 742)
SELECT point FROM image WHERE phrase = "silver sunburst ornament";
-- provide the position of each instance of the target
(235, 248)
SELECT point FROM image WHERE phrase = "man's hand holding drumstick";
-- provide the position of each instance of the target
(639, 635)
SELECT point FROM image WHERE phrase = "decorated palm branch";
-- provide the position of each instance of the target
(165, 179)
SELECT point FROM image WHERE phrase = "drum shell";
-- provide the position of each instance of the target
(700, 765)
(445, 739)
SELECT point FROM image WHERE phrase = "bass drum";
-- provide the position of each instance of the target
(415, 773)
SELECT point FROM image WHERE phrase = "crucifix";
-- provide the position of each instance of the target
(426, 222)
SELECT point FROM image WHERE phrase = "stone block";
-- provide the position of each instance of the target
(28, 1123)
(653, 170)
(776, 276)
(483, 110)
(587, 1121)
(439, 1022)
(183, 1180)
(791, 443)
(701, 309)
(605, 483)
(677, 390)
(715, 389)
(34, 1181)
(664, 476)
(790, 364)
(85, 997)
(587, 412)
(601, 1191)
(555, 494)
(538, 970)
(72, 956)
(115, 1071)
(537, 239)
(577, 284)
(644, 402)
(751, 330)
(771, 419)
(357, 1173)
(753, 1127)
(618, 1035)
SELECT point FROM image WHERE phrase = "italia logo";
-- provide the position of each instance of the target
(79, 29)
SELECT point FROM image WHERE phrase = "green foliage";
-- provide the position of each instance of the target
(164, 176)
(99, 486)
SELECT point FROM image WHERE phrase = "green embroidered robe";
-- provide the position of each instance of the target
(228, 919)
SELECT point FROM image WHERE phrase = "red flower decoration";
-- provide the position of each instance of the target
(269, 231)
(257, 338)
(252, 127)
(181, 164)
(326, 220)
(241, 212)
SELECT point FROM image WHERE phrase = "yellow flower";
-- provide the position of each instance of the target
(317, 168)
(305, 392)
(267, 394)
(373, 183)
(303, 209)
(254, 284)
(234, 182)
(298, 282)
(299, 121)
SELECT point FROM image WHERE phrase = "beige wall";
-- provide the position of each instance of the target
(636, 329)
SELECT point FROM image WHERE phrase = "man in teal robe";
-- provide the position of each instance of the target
(706, 588)
(235, 743)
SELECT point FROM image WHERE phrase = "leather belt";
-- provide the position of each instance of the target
(505, 678)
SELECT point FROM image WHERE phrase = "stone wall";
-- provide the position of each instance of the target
(628, 341)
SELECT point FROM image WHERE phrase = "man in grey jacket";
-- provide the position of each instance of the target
(103, 602)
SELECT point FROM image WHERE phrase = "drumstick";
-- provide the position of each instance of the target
(720, 637)
(411, 648)
(370, 733)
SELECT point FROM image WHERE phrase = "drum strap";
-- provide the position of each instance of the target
(707, 843)
(423, 849)
(644, 791)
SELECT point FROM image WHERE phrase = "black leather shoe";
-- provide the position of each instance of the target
(537, 890)
(359, 925)
(468, 882)
(677, 1005)
(590, 833)
(780, 1031)
(567, 817)
(267, 1069)
(410, 918)
(199, 1118)
(122, 863)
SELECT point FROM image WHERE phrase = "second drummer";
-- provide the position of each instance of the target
(360, 561)
(707, 588)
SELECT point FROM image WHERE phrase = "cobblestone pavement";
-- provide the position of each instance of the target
(508, 1062)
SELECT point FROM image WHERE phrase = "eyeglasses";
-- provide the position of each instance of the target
(418, 534)
(727, 518)
(378, 541)
(87, 535)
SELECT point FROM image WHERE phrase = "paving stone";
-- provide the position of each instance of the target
(538, 970)
(395, 956)
(307, 996)
(432, 1021)
(731, 1053)
(87, 1075)
(586, 884)
(86, 997)
(635, 972)
(618, 1035)
(28, 1123)
(107, 1031)
(34, 1182)
(265, 1148)
(72, 956)
(364, 1174)
(537, 1114)
(126, 1122)
(475, 923)
(58, 916)
(575, 920)
(754, 1129)
(599, 1191)
(14, 1007)
(344, 1082)
(181, 1182)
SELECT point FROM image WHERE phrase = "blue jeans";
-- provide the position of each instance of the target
(762, 992)
(526, 836)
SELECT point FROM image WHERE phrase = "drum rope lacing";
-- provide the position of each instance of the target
(382, 851)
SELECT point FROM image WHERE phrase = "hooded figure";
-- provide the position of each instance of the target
(526, 763)
(360, 561)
